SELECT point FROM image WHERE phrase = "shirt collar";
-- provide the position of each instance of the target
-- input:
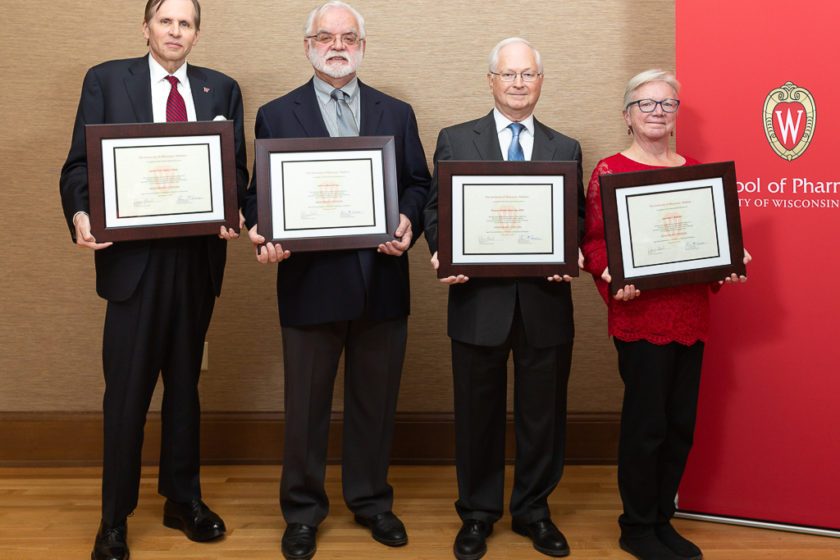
(351, 88)
(159, 73)
(502, 122)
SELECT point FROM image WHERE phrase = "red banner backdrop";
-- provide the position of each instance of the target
(761, 87)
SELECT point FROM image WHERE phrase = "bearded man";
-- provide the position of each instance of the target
(351, 301)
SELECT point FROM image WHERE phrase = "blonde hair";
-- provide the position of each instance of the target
(646, 77)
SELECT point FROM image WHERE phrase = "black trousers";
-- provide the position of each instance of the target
(159, 330)
(373, 359)
(661, 385)
(541, 378)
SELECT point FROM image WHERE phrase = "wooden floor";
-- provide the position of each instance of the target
(54, 513)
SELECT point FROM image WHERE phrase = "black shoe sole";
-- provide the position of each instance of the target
(176, 523)
(474, 556)
(127, 555)
(298, 557)
(547, 551)
(390, 542)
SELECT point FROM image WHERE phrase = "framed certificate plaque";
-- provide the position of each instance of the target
(155, 180)
(318, 194)
(498, 218)
(672, 226)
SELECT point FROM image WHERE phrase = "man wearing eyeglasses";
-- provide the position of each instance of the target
(489, 318)
(355, 301)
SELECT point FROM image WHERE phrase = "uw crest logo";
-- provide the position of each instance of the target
(790, 115)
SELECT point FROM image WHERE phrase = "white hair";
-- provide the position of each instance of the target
(646, 77)
(493, 61)
(317, 12)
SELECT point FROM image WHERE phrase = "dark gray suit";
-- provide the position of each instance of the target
(487, 319)
(355, 301)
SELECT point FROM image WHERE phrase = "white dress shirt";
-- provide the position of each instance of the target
(526, 137)
(161, 89)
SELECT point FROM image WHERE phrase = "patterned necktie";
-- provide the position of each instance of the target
(515, 150)
(343, 115)
(176, 110)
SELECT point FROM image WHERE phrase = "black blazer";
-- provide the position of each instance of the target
(325, 286)
(481, 310)
(120, 91)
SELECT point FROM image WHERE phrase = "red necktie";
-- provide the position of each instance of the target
(176, 110)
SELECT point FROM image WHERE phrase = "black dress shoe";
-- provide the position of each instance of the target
(678, 544)
(299, 541)
(385, 528)
(195, 519)
(470, 544)
(546, 537)
(110, 542)
(647, 547)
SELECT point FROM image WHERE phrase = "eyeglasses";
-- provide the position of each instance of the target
(649, 105)
(324, 38)
(511, 76)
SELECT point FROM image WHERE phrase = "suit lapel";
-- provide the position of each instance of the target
(308, 113)
(486, 139)
(138, 87)
(371, 111)
(543, 145)
(202, 94)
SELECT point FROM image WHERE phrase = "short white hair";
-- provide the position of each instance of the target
(317, 12)
(646, 77)
(493, 61)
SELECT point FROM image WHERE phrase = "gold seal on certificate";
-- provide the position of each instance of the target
(672, 226)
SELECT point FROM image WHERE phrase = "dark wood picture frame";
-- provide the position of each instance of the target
(612, 184)
(327, 147)
(568, 221)
(95, 134)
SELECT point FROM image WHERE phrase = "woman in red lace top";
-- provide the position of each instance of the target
(659, 335)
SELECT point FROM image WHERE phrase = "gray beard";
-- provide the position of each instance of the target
(320, 64)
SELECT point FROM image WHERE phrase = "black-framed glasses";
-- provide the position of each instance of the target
(511, 76)
(649, 105)
(324, 38)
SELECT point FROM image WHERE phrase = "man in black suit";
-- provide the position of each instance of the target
(355, 301)
(160, 293)
(490, 317)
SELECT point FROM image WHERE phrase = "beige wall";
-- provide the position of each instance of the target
(431, 54)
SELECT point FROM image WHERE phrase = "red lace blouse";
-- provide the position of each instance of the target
(679, 314)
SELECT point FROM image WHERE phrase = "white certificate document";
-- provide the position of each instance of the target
(162, 180)
(507, 219)
(323, 194)
(328, 194)
(671, 227)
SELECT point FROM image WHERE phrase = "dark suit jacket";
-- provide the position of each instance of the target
(120, 91)
(325, 286)
(481, 310)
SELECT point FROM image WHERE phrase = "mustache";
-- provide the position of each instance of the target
(337, 54)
